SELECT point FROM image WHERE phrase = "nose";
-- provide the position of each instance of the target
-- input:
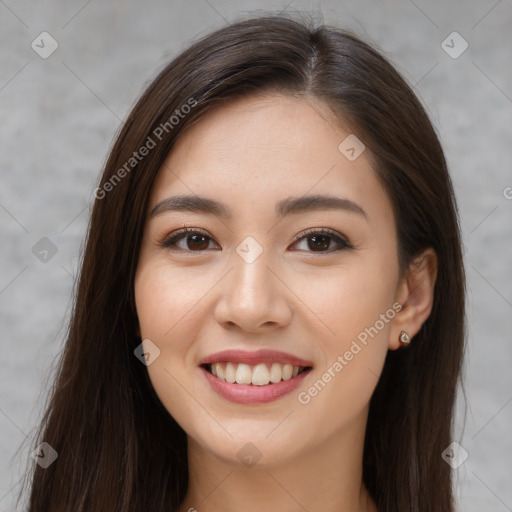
(253, 297)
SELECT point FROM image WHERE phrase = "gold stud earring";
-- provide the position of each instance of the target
(405, 339)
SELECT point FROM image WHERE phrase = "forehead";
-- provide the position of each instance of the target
(260, 149)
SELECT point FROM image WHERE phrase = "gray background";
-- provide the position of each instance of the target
(59, 115)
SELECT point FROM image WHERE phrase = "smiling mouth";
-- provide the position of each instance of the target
(261, 374)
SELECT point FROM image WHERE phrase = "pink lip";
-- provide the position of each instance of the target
(250, 394)
(254, 357)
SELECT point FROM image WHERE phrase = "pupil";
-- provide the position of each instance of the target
(320, 245)
(199, 246)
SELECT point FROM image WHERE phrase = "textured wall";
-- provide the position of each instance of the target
(59, 114)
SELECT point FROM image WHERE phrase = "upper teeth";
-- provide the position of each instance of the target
(259, 375)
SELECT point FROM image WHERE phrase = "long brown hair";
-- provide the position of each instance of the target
(118, 447)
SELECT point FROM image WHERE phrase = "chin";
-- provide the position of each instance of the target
(259, 450)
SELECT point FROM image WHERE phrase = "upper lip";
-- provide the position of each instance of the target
(254, 357)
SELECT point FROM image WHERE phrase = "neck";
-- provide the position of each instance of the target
(326, 477)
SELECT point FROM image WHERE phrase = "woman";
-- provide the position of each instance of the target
(270, 310)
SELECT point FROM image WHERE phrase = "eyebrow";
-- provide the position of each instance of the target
(285, 207)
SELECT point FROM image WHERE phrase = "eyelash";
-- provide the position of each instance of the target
(170, 241)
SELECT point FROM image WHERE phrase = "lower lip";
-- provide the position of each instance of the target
(251, 394)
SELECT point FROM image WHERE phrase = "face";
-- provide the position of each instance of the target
(292, 299)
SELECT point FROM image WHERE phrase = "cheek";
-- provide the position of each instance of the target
(165, 298)
(356, 309)
(350, 299)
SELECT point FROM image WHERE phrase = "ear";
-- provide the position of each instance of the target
(416, 295)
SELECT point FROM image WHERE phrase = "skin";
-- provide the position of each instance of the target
(313, 303)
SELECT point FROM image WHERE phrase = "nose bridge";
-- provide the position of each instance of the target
(251, 280)
(253, 296)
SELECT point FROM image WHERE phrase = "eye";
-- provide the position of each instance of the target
(321, 239)
(195, 240)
